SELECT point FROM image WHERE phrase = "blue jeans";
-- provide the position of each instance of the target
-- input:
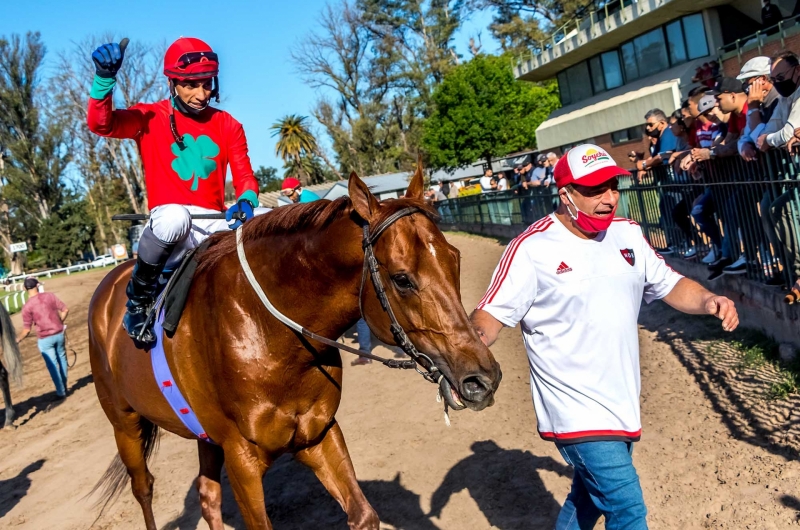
(605, 483)
(55, 357)
(364, 336)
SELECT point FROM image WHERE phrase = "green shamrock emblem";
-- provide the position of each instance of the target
(196, 161)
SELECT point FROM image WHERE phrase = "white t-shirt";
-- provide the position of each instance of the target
(486, 183)
(502, 184)
(578, 303)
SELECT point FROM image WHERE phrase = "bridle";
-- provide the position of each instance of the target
(431, 372)
(419, 361)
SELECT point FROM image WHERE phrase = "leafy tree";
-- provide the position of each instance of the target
(294, 141)
(66, 235)
(34, 145)
(482, 112)
(382, 59)
(267, 178)
(522, 25)
(310, 165)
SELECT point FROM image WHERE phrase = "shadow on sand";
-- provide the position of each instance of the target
(33, 406)
(14, 489)
(505, 485)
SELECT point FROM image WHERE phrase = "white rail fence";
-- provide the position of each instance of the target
(14, 286)
(18, 299)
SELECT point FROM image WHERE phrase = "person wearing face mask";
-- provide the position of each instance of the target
(186, 147)
(762, 98)
(575, 282)
(785, 77)
(656, 127)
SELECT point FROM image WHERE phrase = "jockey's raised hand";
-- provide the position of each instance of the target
(240, 212)
(108, 58)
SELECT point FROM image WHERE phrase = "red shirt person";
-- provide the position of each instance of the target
(186, 148)
(47, 313)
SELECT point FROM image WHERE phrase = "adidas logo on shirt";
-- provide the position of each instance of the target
(563, 268)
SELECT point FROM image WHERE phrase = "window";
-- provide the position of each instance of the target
(631, 134)
(677, 48)
(651, 52)
(695, 33)
(563, 88)
(629, 62)
(598, 79)
(679, 41)
(578, 79)
(611, 69)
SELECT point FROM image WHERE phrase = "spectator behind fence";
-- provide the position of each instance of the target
(785, 76)
(779, 131)
(703, 133)
(762, 99)
(539, 175)
(487, 183)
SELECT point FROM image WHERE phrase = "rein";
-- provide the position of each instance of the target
(431, 372)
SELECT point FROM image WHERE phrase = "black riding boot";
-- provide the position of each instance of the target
(141, 293)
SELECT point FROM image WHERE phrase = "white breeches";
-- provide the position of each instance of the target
(173, 224)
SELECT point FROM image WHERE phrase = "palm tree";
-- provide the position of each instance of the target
(294, 140)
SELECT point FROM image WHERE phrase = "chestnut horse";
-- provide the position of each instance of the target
(261, 389)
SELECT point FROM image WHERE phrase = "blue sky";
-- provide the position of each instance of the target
(253, 39)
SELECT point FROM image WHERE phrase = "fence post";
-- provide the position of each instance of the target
(5, 301)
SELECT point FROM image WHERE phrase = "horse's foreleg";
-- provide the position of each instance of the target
(246, 465)
(7, 396)
(208, 486)
(331, 462)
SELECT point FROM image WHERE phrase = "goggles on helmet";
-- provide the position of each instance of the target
(196, 57)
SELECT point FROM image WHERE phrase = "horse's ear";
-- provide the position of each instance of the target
(364, 202)
(414, 190)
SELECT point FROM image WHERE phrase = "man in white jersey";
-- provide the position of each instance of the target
(575, 280)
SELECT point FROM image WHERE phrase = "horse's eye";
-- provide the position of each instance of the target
(402, 282)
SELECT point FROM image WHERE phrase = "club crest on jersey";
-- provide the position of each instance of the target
(627, 253)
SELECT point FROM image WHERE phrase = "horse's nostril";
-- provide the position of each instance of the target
(475, 388)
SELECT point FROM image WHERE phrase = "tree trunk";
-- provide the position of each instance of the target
(300, 173)
(324, 158)
(97, 220)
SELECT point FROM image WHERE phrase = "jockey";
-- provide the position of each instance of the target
(186, 147)
(291, 188)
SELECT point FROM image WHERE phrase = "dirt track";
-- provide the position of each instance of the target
(699, 467)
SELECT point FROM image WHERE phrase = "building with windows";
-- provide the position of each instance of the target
(628, 57)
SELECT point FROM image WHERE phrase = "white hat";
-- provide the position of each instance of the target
(754, 67)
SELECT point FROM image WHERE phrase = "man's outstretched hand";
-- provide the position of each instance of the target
(724, 309)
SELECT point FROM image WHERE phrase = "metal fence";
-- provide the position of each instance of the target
(741, 209)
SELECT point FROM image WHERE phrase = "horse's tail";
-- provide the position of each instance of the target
(116, 477)
(11, 356)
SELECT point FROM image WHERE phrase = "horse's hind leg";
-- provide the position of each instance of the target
(331, 462)
(7, 397)
(132, 443)
(208, 483)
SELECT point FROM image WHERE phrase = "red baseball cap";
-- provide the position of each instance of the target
(290, 183)
(586, 165)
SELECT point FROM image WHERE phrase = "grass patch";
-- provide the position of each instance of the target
(755, 350)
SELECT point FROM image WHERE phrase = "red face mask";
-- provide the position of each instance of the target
(590, 223)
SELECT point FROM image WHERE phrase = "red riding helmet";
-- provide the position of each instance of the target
(290, 183)
(189, 58)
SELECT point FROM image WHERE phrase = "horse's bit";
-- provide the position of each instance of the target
(431, 372)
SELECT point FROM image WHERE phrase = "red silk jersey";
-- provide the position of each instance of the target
(193, 176)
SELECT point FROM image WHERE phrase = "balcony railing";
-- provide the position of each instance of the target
(782, 30)
(747, 210)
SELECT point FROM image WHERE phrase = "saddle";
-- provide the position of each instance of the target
(172, 299)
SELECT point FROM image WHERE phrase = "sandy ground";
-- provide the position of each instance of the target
(701, 462)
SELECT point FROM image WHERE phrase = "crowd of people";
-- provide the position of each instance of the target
(738, 117)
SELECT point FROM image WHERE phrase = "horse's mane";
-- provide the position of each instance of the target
(312, 216)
